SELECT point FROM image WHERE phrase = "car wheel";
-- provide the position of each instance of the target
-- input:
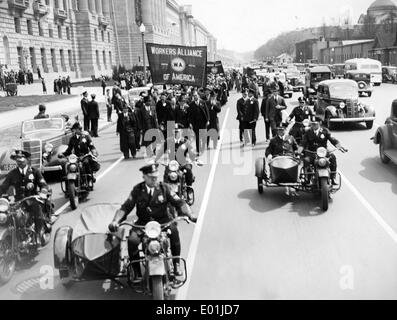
(369, 124)
(260, 185)
(382, 155)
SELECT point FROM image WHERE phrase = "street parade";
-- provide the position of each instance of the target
(179, 171)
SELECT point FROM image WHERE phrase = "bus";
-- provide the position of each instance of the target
(374, 67)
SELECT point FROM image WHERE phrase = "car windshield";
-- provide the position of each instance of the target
(361, 76)
(43, 124)
(343, 91)
(318, 77)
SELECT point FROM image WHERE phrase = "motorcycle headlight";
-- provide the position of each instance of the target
(154, 247)
(322, 152)
(73, 168)
(4, 205)
(3, 218)
(174, 165)
(73, 158)
(153, 229)
(322, 162)
(173, 176)
(48, 148)
(306, 123)
(342, 105)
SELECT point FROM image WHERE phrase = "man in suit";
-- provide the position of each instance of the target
(149, 125)
(127, 127)
(274, 105)
(241, 109)
(84, 109)
(198, 118)
(214, 108)
(266, 94)
(251, 118)
(93, 115)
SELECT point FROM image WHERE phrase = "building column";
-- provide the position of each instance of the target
(106, 7)
(60, 4)
(147, 12)
(99, 7)
(92, 6)
(83, 5)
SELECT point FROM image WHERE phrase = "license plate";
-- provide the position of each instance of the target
(72, 176)
(156, 267)
(8, 167)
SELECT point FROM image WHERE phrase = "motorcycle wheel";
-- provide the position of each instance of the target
(260, 185)
(157, 288)
(190, 196)
(324, 194)
(7, 261)
(73, 197)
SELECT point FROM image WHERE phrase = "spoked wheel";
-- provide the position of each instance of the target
(324, 193)
(7, 261)
(73, 197)
(260, 185)
(157, 287)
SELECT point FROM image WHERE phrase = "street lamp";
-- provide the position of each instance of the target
(142, 29)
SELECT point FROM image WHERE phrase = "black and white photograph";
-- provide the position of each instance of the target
(198, 150)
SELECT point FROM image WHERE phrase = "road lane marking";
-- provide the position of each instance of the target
(182, 293)
(66, 205)
(389, 230)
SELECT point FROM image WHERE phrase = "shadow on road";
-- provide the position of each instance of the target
(377, 172)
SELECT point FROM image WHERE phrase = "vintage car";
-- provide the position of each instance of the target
(44, 139)
(337, 102)
(389, 74)
(363, 80)
(338, 70)
(314, 76)
(386, 137)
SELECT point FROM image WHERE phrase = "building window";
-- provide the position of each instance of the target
(51, 32)
(17, 23)
(30, 27)
(109, 37)
(33, 58)
(44, 59)
(103, 35)
(62, 60)
(110, 59)
(54, 60)
(67, 33)
(41, 31)
(6, 46)
(60, 32)
(97, 60)
(20, 57)
(70, 60)
(96, 34)
(104, 59)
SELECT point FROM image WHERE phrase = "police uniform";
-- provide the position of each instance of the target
(300, 114)
(81, 145)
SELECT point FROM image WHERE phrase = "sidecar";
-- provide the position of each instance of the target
(284, 172)
(88, 252)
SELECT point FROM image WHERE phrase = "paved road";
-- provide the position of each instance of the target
(248, 246)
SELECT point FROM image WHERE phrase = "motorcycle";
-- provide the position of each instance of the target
(299, 129)
(77, 183)
(156, 262)
(318, 174)
(18, 236)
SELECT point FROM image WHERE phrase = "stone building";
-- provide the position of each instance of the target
(379, 12)
(61, 37)
(166, 22)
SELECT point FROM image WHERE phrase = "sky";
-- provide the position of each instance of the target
(244, 25)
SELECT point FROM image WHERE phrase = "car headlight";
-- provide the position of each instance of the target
(173, 176)
(342, 105)
(4, 205)
(3, 218)
(45, 155)
(48, 148)
(174, 165)
(73, 158)
(154, 247)
(322, 152)
(153, 229)
(322, 162)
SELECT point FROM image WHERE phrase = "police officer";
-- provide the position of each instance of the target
(27, 181)
(300, 113)
(151, 200)
(81, 144)
(317, 137)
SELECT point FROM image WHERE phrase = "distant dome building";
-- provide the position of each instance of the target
(380, 11)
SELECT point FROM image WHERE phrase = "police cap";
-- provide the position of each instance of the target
(19, 154)
(77, 126)
(151, 169)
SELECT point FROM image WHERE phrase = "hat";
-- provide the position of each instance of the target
(76, 126)
(146, 99)
(281, 127)
(251, 91)
(151, 169)
(85, 92)
(19, 153)
(93, 95)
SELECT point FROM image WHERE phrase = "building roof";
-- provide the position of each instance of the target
(351, 42)
(382, 4)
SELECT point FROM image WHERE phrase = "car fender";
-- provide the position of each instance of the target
(383, 133)
(5, 161)
(62, 248)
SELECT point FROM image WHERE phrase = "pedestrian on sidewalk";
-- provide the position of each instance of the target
(68, 84)
(127, 126)
(55, 86)
(109, 106)
(93, 115)
(84, 109)
(103, 85)
(44, 86)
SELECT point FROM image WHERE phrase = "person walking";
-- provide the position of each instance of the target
(109, 107)
(103, 85)
(127, 127)
(44, 86)
(84, 109)
(93, 115)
